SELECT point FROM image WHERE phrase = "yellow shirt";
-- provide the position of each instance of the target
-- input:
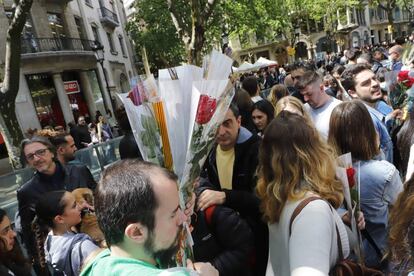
(225, 162)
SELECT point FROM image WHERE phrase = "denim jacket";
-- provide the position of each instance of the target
(380, 185)
(385, 138)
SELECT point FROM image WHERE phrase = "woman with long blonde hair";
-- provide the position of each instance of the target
(295, 165)
(401, 220)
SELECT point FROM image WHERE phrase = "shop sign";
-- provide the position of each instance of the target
(71, 87)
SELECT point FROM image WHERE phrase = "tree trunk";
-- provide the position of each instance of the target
(9, 126)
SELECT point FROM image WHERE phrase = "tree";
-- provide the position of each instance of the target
(175, 31)
(151, 27)
(9, 88)
(193, 35)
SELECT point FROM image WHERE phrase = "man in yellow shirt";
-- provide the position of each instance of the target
(229, 178)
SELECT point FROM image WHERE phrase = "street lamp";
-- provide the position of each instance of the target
(100, 57)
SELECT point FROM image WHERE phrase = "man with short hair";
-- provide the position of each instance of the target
(65, 147)
(229, 178)
(83, 138)
(252, 87)
(395, 54)
(361, 83)
(143, 229)
(318, 103)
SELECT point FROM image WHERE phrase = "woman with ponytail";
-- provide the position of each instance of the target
(56, 215)
(12, 261)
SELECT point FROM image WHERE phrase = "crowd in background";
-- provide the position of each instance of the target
(267, 201)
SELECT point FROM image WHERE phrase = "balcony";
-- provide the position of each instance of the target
(108, 18)
(48, 54)
(37, 45)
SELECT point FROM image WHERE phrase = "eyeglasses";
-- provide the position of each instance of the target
(38, 153)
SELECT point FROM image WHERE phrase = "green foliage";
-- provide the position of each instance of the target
(151, 27)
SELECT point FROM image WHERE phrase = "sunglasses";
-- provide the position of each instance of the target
(38, 153)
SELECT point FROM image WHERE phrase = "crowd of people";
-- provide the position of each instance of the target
(267, 202)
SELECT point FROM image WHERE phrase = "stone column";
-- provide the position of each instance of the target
(87, 92)
(63, 98)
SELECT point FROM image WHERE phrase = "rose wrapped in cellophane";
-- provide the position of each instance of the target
(347, 175)
(143, 120)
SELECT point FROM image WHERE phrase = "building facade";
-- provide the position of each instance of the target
(358, 27)
(60, 78)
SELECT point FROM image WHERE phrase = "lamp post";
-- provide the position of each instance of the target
(100, 57)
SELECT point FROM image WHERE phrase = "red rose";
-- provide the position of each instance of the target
(350, 173)
(134, 96)
(403, 75)
(205, 109)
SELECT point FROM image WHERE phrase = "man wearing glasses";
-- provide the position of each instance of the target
(50, 176)
(395, 54)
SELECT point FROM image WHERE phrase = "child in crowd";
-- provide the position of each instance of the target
(62, 248)
(12, 261)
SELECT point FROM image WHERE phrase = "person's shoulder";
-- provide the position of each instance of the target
(29, 185)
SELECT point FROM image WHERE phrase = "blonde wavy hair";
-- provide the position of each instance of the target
(293, 105)
(294, 160)
(401, 221)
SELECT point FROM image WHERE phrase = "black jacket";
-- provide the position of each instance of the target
(225, 241)
(242, 197)
(128, 147)
(69, 178)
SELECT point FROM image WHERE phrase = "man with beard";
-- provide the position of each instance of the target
(142, 231)
(361, 83)
(65, 147)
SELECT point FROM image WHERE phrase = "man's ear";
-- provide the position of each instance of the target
(353, 93)
(137, 232)
(239, 120)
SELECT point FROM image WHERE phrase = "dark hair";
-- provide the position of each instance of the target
(266, 107)
(353, 54)
(15, 256)
(59, 140)
(250, 85)
(128, 183)
(348, 76)
(338, 69)
(367, 57)
(236, 112)
(122, 118)
(347, 134)
(242, 100)
(47, 208)
(307, 78)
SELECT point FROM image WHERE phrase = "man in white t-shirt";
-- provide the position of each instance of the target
(318, 103)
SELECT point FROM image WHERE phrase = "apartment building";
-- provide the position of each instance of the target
(61, 78)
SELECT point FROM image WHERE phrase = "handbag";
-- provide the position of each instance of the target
(343, 267)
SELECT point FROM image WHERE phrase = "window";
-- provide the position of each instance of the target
(88, 2)
(56, 25)
(121, 42)
(111, 43)
(95, 34)
(78, 22)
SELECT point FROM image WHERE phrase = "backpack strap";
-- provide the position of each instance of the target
(208, 213)
(299, 209)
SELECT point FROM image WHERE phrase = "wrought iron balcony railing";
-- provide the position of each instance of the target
(36, 45)
(109, 17)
